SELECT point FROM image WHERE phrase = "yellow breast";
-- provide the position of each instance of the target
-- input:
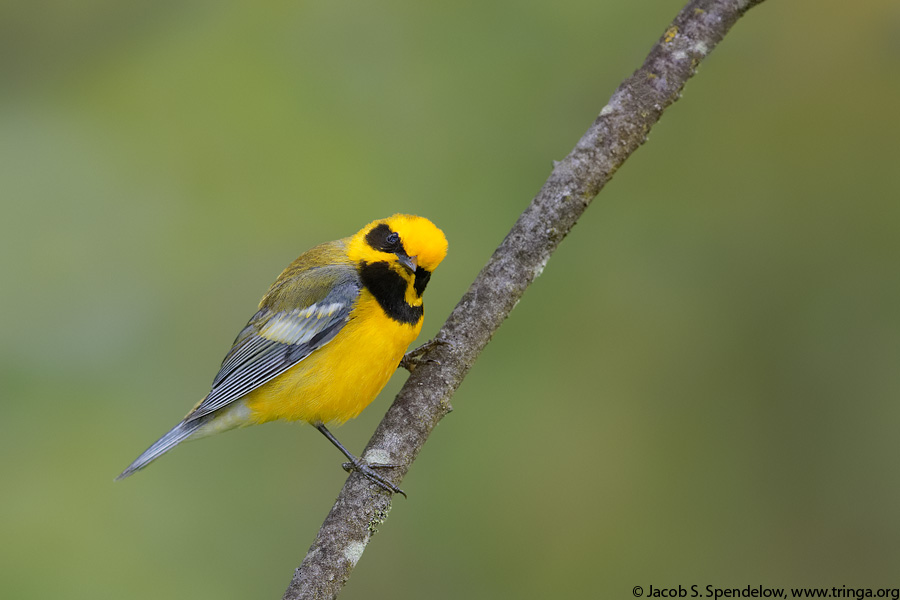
(337, 381)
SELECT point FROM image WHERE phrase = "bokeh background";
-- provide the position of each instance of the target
(702, 388)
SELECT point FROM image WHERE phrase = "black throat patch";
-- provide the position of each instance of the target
(422, 277)
(389, 289)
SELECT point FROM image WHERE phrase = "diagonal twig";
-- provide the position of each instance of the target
(620, 129)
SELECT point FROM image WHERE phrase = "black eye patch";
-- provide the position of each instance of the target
(383, 239)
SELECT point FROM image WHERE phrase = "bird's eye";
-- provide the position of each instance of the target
(381, 238)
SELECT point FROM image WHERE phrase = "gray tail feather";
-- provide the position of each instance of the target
(176, 435)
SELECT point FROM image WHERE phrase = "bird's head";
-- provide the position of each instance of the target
(411, 246)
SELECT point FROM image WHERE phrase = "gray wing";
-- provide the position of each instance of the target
(273, 342)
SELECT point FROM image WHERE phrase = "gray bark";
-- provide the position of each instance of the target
(620, 129)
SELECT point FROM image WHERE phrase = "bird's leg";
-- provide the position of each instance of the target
(413, 358)
(357, 464)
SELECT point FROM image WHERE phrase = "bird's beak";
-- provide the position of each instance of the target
(410, 262)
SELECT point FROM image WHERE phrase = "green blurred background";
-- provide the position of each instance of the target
(702, 388)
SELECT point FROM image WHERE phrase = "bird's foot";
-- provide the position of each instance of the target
(360, 465)
(368, 470)
(413, 358)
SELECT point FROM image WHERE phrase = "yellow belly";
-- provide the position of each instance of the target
(337, 381)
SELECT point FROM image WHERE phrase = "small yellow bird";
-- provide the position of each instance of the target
(327, 337)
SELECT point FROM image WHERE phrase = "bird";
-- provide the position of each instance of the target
(327, 337)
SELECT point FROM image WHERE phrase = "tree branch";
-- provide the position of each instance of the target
(620, 129)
